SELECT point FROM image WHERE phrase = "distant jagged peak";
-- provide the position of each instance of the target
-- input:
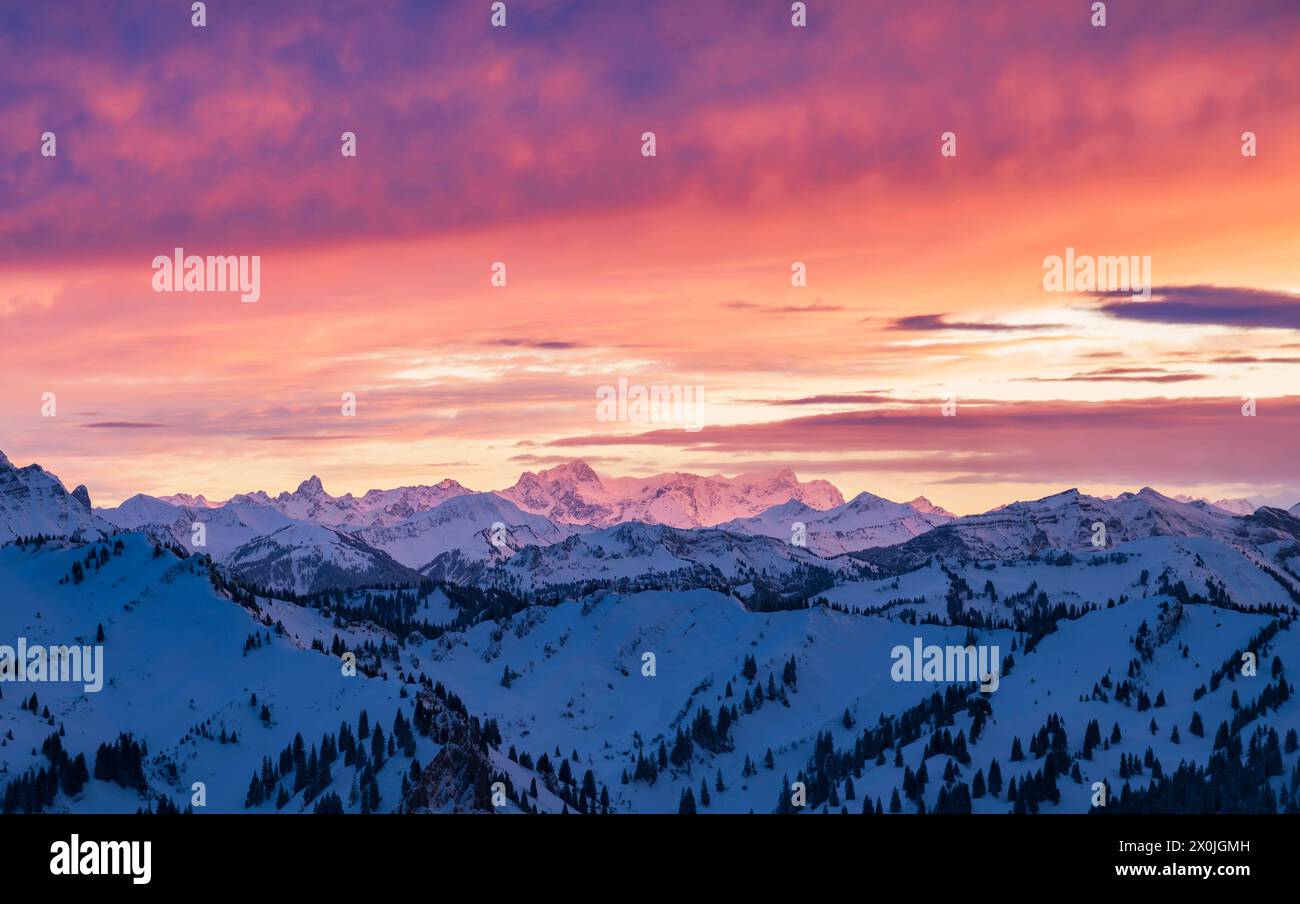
(574, 493)
(311, 487)
(35, 501)
(1232, 506)
(183, 499)
(926, 507)
(577, 470)
(866, 500)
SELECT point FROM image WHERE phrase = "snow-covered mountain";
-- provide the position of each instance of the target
(141, 511)
(465, 523)
(1231, 506)
(225, 527)
(185, 677)
(551, 650)
(179, 676)
(304, 558)
(573, 493)
(1066, 521)
(862, 522)
(376, 508)
(637, 553)
(926, 507)
(185, 500)
(33, 501)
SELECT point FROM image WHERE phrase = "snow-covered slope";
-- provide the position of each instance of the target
(305, 558)
(640, 553)
(573, 493)
(185, 500)
(579, 683)
(174, 658)
(141, 511)
(647, 634)
(609, 677)
(1231, 506)
(225, 527)
(1065, 521)
(465, 523)
(377, 508)
(862, 522)
(33, 501)
(926, 507)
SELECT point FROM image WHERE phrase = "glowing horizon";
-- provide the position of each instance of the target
(775, 145)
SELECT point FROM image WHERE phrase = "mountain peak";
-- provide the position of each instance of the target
(34, 501)
(577, 470)
(926, 507)
(776, 474)
(866, 500)
(4, 462)
(310, 487)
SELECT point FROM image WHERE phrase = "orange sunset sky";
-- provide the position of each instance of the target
(775, 144)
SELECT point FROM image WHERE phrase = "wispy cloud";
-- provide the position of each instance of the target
(920, 323)
(817, 307)
(1134, 440)
(1208, 304)
(1254, 359)
(123, 425)
(1122, 375)
(540, 344)
(834, 398)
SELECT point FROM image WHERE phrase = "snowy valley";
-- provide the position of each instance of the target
(595, 644)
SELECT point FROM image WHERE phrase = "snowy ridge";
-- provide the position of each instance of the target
(862, 522)
(547, 651)
(574, 494)
(1231, 506)
(464, 523)
(636, 552)
(306, 558)
(33, 501)
(1065, 521)
(376, 508)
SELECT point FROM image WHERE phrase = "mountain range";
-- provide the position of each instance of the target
(530, 637)
(309, 540)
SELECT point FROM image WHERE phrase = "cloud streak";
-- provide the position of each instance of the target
(1201, 305)
(1136, 440)
(920, 323)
